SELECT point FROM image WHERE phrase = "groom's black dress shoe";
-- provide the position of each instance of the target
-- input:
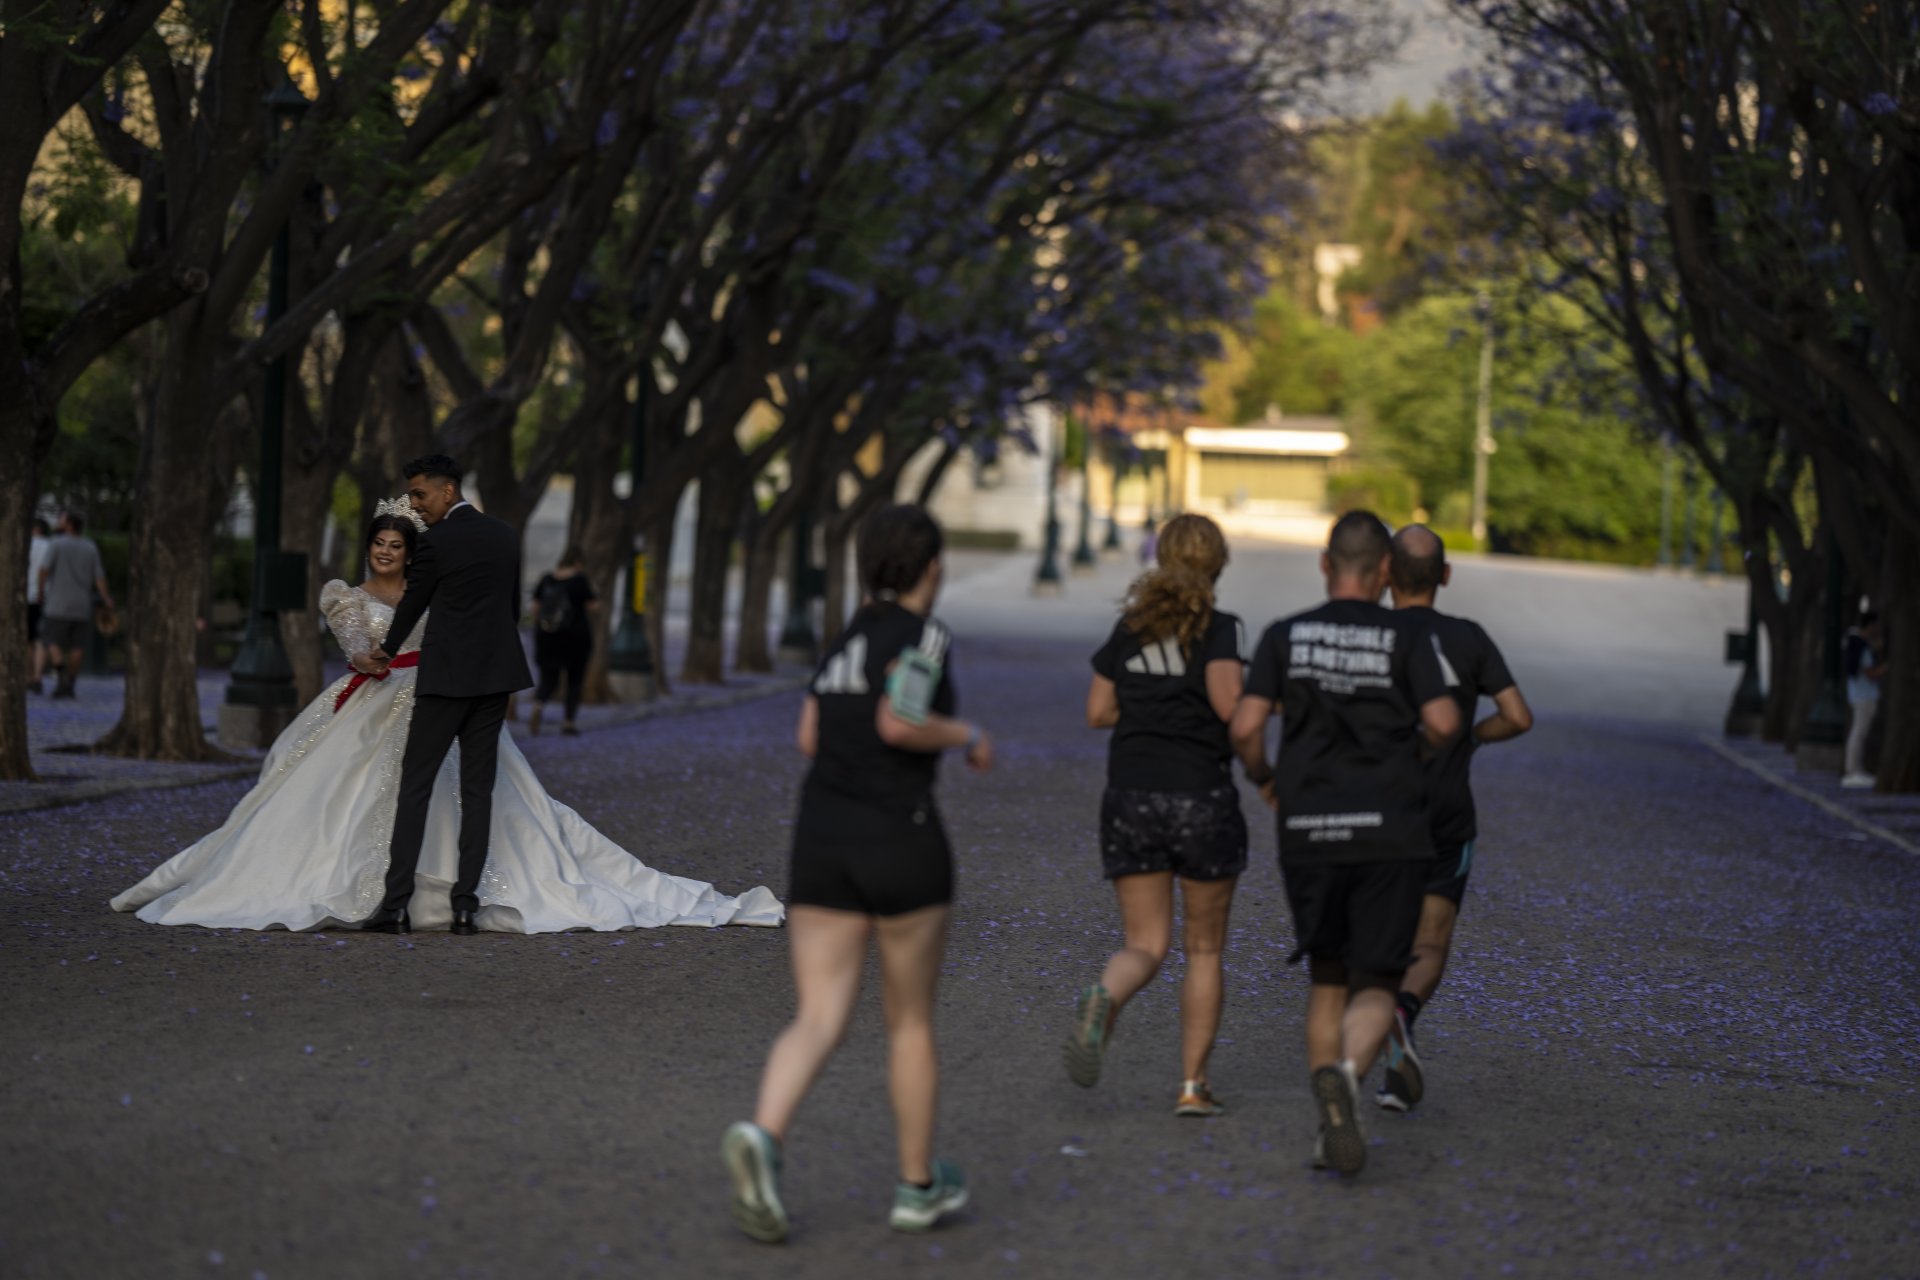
(388, 924)
(463, 923)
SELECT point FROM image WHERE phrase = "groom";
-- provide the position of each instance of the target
(467, 569)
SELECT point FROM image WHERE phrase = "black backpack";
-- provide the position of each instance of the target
(554, 612)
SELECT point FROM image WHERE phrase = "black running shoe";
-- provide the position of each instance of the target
(1336, 1096)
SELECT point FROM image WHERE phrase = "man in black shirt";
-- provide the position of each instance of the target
(1474, 669)
(1360, 691)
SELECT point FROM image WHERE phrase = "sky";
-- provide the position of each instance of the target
(1436, 47)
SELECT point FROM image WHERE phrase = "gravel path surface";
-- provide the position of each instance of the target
(1676, 1040)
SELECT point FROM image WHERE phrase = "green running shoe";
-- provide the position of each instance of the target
(753, 1163)
(918, 1208)
(1088, 1043)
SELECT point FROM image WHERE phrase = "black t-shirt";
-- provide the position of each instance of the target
(575, 592)
(1471, 665)
(851, 760)
(1350, 677)
(1169, 737)
(1858, 655)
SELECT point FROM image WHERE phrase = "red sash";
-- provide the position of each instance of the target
(361, 677)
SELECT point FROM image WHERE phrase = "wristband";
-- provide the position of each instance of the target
(973, 738)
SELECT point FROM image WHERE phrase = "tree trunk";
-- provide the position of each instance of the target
(19, 488)
(753, 651)
(723, 488)
(598, 526)
(1791, 633)
(841, 594)
(172, 537)
(1900, 690)
(659, 596)
(306, 507)
(930, 483)
(1799, 672)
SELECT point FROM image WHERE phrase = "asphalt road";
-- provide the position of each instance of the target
(1677, 1038)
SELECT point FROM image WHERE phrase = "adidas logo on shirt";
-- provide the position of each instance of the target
(1161, 658)
(847, 672)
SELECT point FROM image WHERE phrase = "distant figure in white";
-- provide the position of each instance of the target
(307, 848)
(1866, 668)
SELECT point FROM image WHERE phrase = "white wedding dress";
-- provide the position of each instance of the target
(307, 847)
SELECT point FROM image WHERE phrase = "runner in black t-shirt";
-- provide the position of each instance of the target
(1360, 692)
(1166, 682)
(1474, 669)
(870, 858)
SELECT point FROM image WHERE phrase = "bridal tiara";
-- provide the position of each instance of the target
(399, 507)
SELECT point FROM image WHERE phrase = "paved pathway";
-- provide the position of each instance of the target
(1676, 1041)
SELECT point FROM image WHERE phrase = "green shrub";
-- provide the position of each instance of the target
(1389, 494)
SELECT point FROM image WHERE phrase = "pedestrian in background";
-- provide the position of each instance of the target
(870, 860)
(1166, 683)
(70, 578)
(563, 607)
(36, 560)
(1866, 666)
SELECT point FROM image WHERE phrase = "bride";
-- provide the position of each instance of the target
(307, 847)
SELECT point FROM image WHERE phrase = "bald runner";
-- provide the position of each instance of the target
(1473, 669)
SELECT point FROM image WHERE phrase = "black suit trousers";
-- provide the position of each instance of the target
(438, 722)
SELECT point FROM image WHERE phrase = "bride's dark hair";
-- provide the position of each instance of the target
(399, 524)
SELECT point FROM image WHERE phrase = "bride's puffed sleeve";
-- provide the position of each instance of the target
(346, 616)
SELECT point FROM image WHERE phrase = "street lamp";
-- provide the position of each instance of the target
(260, 694)
(1083, 557)
(630, 663)
(1047, 577)
(1665, 558)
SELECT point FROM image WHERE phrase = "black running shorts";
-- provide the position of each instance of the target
(1362, 914)
(854, 855)
(1197, 835)
(1447, 878)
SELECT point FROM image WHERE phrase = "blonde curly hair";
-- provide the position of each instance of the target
(1174, 599)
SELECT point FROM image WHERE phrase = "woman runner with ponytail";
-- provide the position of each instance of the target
(1166, 683)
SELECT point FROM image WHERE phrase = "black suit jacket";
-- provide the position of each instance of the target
(467, 569)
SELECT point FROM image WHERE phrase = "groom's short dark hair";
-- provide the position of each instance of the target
(435, 466)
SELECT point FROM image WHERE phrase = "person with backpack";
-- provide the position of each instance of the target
(563, 607)
(1166, 682)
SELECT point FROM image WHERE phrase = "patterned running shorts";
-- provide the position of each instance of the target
(1197, 835)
